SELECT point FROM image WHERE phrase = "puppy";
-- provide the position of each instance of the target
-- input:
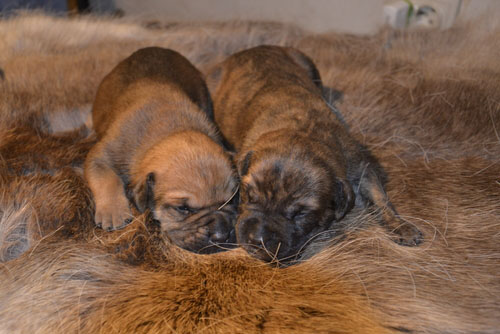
(159, 148)
(300, 169)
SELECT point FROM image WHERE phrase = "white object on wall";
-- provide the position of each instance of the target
(421, 13)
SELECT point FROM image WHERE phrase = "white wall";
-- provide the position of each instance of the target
(472, 9)
(354, 16)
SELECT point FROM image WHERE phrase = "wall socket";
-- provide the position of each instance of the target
(421, 13)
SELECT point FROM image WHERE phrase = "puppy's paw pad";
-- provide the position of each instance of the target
(408, 235)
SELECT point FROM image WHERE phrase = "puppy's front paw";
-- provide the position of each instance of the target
(113, 216)
(408, 235)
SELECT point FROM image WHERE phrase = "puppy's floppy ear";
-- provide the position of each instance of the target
(144, 193)
(343, 198)
(244, 164)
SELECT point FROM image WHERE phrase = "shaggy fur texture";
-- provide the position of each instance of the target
(427, 104)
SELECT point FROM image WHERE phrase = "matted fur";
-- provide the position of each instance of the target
(427, 104)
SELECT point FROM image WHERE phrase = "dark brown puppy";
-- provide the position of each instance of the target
(158, 147)
(300, 168)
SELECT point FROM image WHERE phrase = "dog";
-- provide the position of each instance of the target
(300, 168)
(159, 149)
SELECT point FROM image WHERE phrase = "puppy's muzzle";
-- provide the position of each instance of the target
(220, 234)
(262, 239)
(220, 229)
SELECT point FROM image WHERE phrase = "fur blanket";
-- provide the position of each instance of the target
(426, 103)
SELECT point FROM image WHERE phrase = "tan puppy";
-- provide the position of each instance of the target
(158, 147)
(300, 167)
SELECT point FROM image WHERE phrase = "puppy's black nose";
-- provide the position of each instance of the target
(219, 236)
(261, 239)
(252, 231)
(221, 230)
(260, 235)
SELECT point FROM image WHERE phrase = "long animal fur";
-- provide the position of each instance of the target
(426, 103)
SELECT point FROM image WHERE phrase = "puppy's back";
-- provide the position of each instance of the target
(159, 65)
(263, 89)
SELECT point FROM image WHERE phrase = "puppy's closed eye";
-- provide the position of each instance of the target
(184, 209)
(300, 215)
(296, 213)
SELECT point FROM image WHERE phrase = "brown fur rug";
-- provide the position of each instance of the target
(426, 103)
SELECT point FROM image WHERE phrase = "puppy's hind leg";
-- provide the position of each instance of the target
(112, 209)
(371, 191)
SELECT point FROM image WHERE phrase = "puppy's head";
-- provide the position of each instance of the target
(285, 201)
(188, 184)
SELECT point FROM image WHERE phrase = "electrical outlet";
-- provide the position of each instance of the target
(426, 17)
(446, 11)
(421, 13)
